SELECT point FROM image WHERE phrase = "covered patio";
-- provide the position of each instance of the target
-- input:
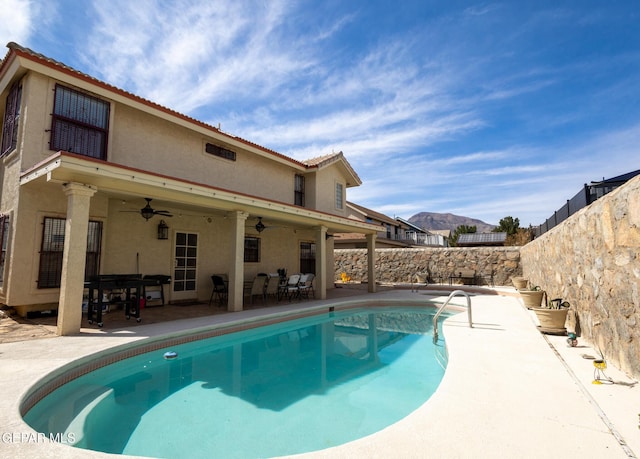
(219, 220)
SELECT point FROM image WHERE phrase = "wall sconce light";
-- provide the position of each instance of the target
(163, 230)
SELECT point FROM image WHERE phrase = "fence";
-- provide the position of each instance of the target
(587, 195)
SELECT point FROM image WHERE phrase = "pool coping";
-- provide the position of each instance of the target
(494, 411)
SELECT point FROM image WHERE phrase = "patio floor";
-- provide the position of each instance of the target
(15, 328)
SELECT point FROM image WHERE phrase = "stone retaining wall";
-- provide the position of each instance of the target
(399, 265)
(592, 261)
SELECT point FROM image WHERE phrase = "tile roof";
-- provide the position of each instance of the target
(372, 213)
(325, 160)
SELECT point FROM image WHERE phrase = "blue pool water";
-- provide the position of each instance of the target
(282, 389)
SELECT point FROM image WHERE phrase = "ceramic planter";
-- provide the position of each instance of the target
(532, 298)
(520, 283)
(551, 320)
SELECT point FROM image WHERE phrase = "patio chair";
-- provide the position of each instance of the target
(258, 287)
(419, 279)
(293, 288)
(272, 286)
(306, 286)
(220, 290)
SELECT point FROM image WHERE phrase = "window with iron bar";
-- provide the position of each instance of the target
(51, 252)
(251, 249)
(4, 239)
(299, 190)
(220, 152)
(11, 120)
(307, 257)
(80, 123)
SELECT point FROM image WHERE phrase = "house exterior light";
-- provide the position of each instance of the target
(163, 230)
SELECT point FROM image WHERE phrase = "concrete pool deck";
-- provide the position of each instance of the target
(509, 391)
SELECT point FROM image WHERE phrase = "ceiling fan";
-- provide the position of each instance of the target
(260, 227)
(147, 211)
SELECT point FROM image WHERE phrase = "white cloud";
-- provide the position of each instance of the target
(236, 55)
(190, 54)
(16, 20)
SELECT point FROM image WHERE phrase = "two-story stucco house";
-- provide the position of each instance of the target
(84, 165)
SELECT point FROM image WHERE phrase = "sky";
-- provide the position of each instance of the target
(480, 109)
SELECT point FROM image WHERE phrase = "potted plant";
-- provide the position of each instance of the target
(532, 298)
(553, 316)
(519, 282)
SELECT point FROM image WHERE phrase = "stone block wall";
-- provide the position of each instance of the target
(592, 260)
(399, 265)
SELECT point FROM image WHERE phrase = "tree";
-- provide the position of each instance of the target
(462, 229)
(508, 225)
(522, 237)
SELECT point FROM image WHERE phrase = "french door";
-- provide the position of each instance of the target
(185, 266)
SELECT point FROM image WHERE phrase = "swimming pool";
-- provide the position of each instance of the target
(286, 388)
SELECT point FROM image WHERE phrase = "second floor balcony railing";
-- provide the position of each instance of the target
(429, 240)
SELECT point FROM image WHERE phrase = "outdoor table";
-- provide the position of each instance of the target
(123, 282)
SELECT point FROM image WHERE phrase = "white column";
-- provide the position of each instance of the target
(236, 276)
(320, 283)
(74, 257)
(371, 261)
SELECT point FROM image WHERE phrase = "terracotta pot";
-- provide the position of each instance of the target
(532, 298)
(520, 283)
(551, 319)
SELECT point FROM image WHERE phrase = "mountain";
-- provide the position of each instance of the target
(436, 221)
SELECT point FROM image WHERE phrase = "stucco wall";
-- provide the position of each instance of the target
(399, 265)
(35, 119)
(591, 260)
(325, 190)
(150, 143)
(172, 147)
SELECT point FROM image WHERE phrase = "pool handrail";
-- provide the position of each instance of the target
(444, 305)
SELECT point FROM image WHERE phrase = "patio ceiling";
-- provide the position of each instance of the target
(124, 182)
